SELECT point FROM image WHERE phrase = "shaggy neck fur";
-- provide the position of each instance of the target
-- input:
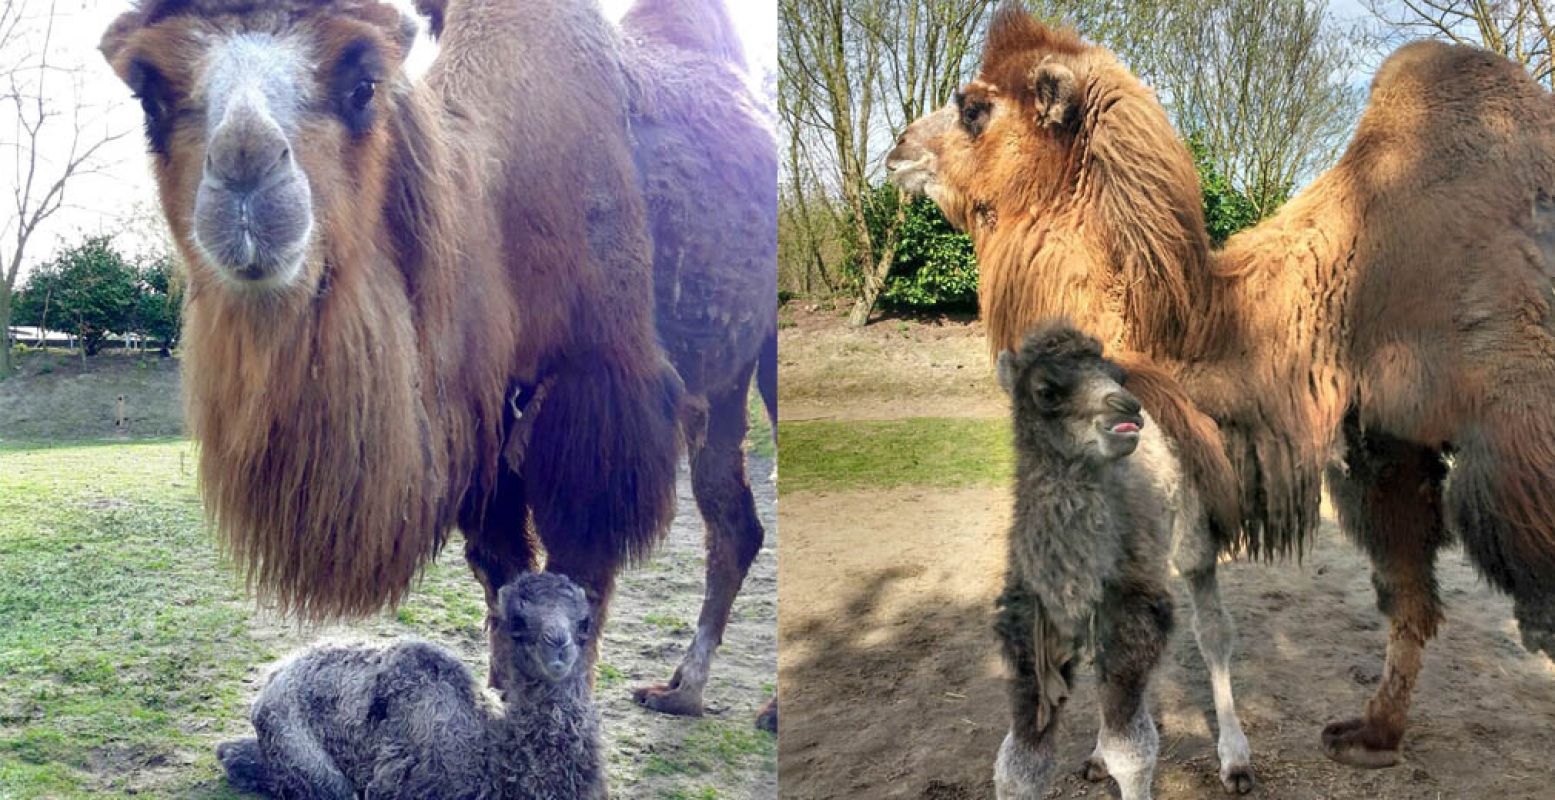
(319, 414)
(1155, 294)
(545, 741)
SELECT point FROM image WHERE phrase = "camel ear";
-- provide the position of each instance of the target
(114, 39)
(1006, 371)
(1054, 87)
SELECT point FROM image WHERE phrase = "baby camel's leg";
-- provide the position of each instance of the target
(1132, 629)
(1194, 557)
(297, 762)
(1039, 683)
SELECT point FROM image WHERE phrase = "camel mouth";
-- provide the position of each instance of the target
(1127, 427)
(911, 176)
(257, 237)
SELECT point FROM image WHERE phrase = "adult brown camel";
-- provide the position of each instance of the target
(411, 307)
(707, 163)
(1391, 325)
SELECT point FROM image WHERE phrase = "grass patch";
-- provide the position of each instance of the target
(119, 630)
(759, 437)
(714, 747)
(666, 623)
(875, 454)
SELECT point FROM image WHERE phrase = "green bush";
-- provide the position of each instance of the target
(91, 290)
(934, 266)
(1226, 210)
(88, 290)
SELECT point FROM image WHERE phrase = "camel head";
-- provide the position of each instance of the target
(1001, 142)
(545, 623)
(1067, 398)
(266, 124)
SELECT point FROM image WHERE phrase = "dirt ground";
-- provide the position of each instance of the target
(892, 685)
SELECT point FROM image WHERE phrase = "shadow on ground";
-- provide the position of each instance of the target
(893, 689)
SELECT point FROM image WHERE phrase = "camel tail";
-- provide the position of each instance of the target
(600, 465)
(245, 766)
(1500, 500)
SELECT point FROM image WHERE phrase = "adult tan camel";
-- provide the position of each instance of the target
(1391, 325)
(411, 307)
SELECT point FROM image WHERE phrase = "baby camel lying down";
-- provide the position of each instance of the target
(409, 720)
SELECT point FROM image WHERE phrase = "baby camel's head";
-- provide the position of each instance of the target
(1068, 398)
(548, 622)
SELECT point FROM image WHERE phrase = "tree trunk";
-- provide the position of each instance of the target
(5, 332)
(874, 279)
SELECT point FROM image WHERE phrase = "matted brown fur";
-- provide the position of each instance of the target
(1410, 285)
(472, 242)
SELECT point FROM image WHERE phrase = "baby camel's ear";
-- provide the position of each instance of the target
(1006, 370)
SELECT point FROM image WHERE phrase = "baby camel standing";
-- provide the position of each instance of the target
(410, 721)
(1087, 559)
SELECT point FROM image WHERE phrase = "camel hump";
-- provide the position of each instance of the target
(702, 26)
(1438, 72)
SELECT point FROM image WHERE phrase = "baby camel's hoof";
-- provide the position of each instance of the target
(667, 699)
(1238, 780)
(1095, 770)
(1357, 744)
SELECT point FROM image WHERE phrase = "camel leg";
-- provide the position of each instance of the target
(1132, 630)
(1026, 762)
(597, 576)
(1390, 503)
(498, 548)
(734, 537)
(1194, 556)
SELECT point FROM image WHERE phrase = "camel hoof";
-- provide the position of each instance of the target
(667, 699)
(1354, 743)
(1095, 770)
(766, 718)
(1238, 780)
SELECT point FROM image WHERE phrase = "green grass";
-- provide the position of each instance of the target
(121, 637)
(879, 454)
(711, 748)
(759, 437)
(126, 641)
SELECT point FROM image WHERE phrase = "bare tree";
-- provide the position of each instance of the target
(1264, 86)
(852, 71)
(28, 83)
(1518, 29)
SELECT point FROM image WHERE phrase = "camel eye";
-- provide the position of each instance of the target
(362, 95)
(156, 102)
(353, 83)
(974, 116)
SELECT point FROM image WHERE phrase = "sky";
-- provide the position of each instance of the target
(121, 199)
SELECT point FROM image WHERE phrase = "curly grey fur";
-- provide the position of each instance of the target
(409, 720)
(1087, 558)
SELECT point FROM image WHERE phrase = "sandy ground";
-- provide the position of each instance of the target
(892, 685)
(889, 369)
